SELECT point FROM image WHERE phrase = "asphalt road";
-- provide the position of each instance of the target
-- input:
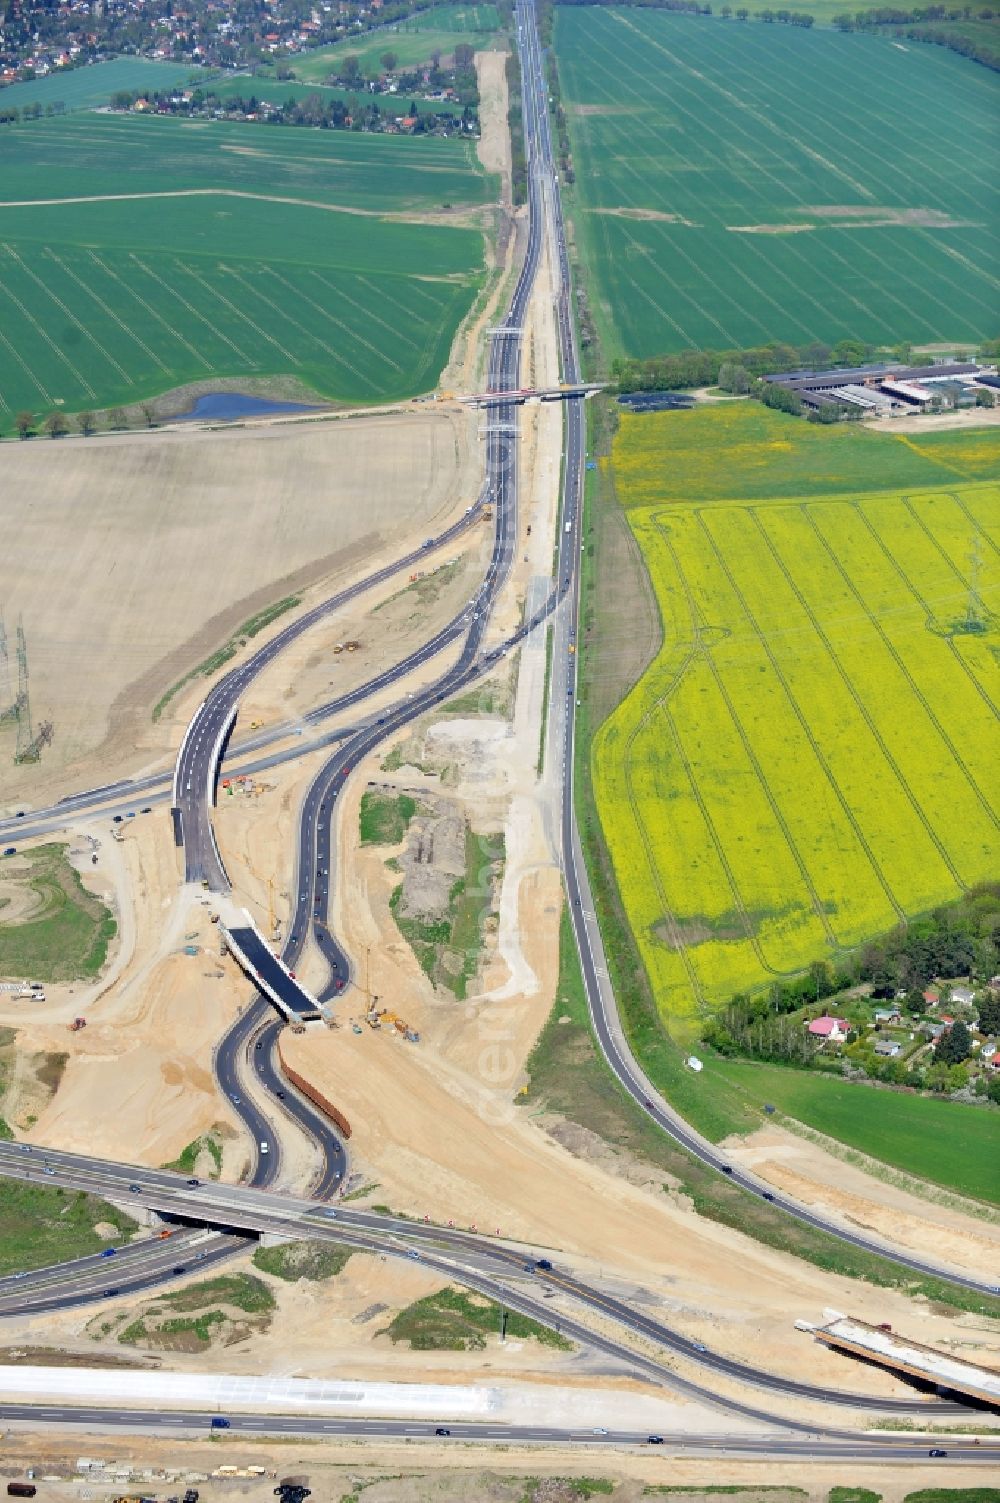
(186, 1421)
(506, 1272)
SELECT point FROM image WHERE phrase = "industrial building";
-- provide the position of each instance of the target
(889, 390)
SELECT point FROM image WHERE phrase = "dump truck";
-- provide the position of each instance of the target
(76, 1025)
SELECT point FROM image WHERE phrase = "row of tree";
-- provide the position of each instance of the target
(688, 368)
(315, 110)
(947, 26)
(56, 424)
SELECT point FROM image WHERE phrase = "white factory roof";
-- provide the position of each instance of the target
(922, 1361)
(907, 389)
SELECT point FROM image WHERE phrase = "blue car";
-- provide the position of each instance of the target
(109, 1252)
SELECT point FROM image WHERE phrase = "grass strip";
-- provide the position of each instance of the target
(44, 1224)
(229, 649)
(67, 937)
(243, 1290)
(293, 1261)
(546, 689)
(385, 819)
(454, 1320)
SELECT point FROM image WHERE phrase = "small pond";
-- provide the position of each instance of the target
(227, 406)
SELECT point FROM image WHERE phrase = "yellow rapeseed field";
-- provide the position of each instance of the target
(813, 754)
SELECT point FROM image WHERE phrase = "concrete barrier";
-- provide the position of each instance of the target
(316, 1097)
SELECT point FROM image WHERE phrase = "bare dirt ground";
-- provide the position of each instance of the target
(188, 534)
(936, 422)
(932, 1223)
(493, 147)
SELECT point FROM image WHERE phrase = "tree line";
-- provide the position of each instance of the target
(362, 113)
(956, 939)
(946, 26)
(57, 424)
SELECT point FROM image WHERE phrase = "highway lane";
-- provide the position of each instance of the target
(196, 768)
(462, 1256)
(769, 1447)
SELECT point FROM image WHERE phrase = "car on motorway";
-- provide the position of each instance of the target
(648, 1104)
(219, 1422)
(47, 1170)
(544, 1263)
(147, 810)
(180, 1268)
(136, 1189)
(116, 819)
(599, 1430)
(654, 1440)
(20, 814)
(236, 1100)
(108, 1252)
(442, 1430)
(726, 1168)
(130, 814)
(280, 1095)
(411, 1252)
(110, 1293)
(194, 1183)
(259, 1044)
(936, 1451)
(264, 1146)
(767, 1195)
(699, 1346)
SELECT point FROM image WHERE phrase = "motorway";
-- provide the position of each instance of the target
(733, 1447)
(238, 1057)
(497, 1268)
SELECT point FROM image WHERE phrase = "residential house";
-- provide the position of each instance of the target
(888, 1048)
(962, 996)
(834, 1029)
(988, 1051)
(887, 1015)
(931, 997)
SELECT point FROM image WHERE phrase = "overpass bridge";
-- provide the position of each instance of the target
(562, 393)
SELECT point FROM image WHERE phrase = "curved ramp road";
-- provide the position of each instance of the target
(499, 1269)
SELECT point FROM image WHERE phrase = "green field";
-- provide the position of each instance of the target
(738, 184)
(950, 1144)
(60, 931)
(811, 757)
(202, 249)
(413, 41)
(87, 88)
(40, 1225)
